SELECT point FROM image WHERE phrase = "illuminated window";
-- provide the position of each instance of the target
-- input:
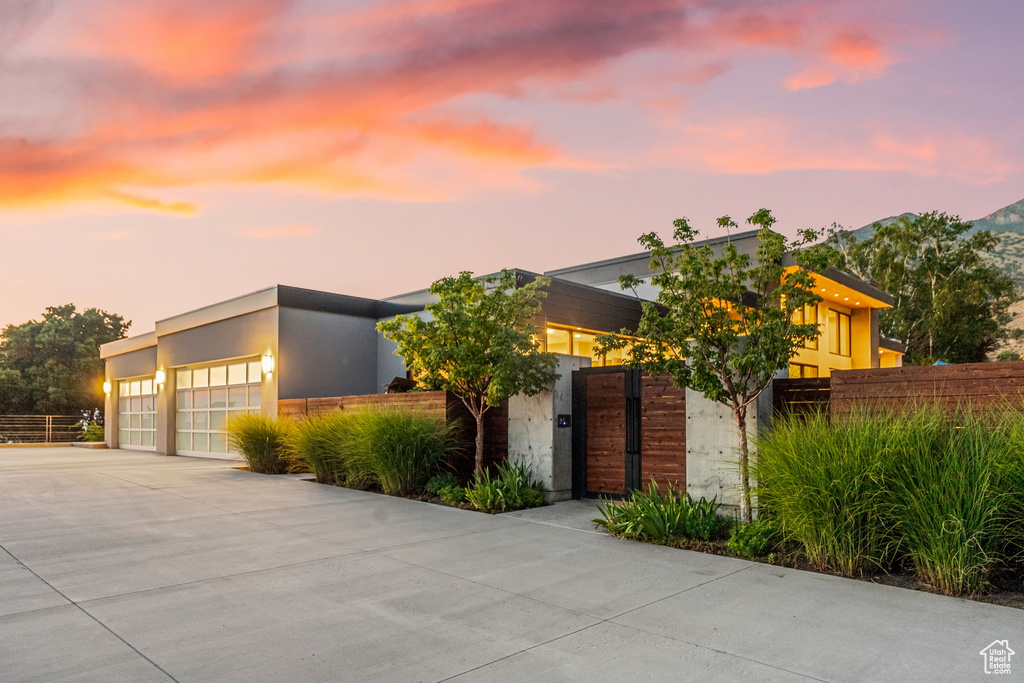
(802, 371)
(838, 333)
(577, 342)
(808, 315)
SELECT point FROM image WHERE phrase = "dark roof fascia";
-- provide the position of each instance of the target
(892, 345)
(339, 304)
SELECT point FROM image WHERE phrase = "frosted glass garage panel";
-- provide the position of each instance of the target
(136, 411)
(205, 404)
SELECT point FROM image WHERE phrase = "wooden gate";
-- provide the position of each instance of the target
(628, 428)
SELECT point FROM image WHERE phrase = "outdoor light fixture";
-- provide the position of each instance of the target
(106, 387)
(268, 363)
(160, 377)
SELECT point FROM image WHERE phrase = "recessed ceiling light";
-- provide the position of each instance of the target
(857, 304)
(846, 298)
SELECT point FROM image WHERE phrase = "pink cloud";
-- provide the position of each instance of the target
(148, 99)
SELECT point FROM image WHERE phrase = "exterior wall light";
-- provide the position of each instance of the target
(106, 387)
(160, 377)
(268, 363)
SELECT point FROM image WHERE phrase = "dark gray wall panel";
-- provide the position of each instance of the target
(324, 354)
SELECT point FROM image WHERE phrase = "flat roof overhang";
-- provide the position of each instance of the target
(842, 288)
(891, 345)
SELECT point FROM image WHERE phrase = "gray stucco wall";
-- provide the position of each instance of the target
(131, 364)
(327, 354)
(248, 335)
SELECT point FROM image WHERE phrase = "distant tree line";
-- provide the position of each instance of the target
(52, 366)
(951, 302)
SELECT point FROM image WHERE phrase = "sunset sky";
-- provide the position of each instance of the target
(161, 155)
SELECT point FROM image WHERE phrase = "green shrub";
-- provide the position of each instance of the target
(261, 440)
(441, 481)
(511, 489)
(93, 432)
(399, 451)
(756, 540)
(452, 494)
(653, 516)
(320, 445)
(822, 481)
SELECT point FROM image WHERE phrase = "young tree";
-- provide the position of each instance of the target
(53, 366)
(722, 325)
(949, 303)
(478, 342)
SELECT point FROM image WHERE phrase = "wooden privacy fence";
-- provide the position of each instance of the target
(801, 396)
(970, 385)
(629, 428)
(443, 405)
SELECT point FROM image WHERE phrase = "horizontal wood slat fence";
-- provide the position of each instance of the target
(801, 396)
(444, 405)
(981, 386)
(971, 385)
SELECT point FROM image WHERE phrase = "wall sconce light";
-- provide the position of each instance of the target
(268, 363)
(106, 388)
(160, 377)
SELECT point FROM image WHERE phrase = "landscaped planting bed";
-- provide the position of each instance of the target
(395, 452)
(918, 500)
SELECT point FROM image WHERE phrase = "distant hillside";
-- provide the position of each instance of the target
(1007, 224)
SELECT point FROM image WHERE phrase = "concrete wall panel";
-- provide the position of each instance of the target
(534, 437)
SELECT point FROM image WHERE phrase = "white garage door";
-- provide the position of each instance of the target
(207, 396)
(136, 407)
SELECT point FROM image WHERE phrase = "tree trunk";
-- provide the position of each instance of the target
(479, 442)
(746, 513)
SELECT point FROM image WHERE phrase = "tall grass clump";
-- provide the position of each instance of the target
(941, 494)
(822, 481)
(950, 504)
(399, 451)
(321, 444)
(261, 440)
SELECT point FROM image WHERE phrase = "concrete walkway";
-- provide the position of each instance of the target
(121, 566)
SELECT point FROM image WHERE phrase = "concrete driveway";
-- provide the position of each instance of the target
(122, 566)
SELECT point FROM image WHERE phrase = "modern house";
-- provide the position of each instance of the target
(171, 390)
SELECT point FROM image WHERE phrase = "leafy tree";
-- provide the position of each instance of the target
(723, 325)
(477, 341)
(53, 366)
(950, 304)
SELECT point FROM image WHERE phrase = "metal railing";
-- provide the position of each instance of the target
(40, 428)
